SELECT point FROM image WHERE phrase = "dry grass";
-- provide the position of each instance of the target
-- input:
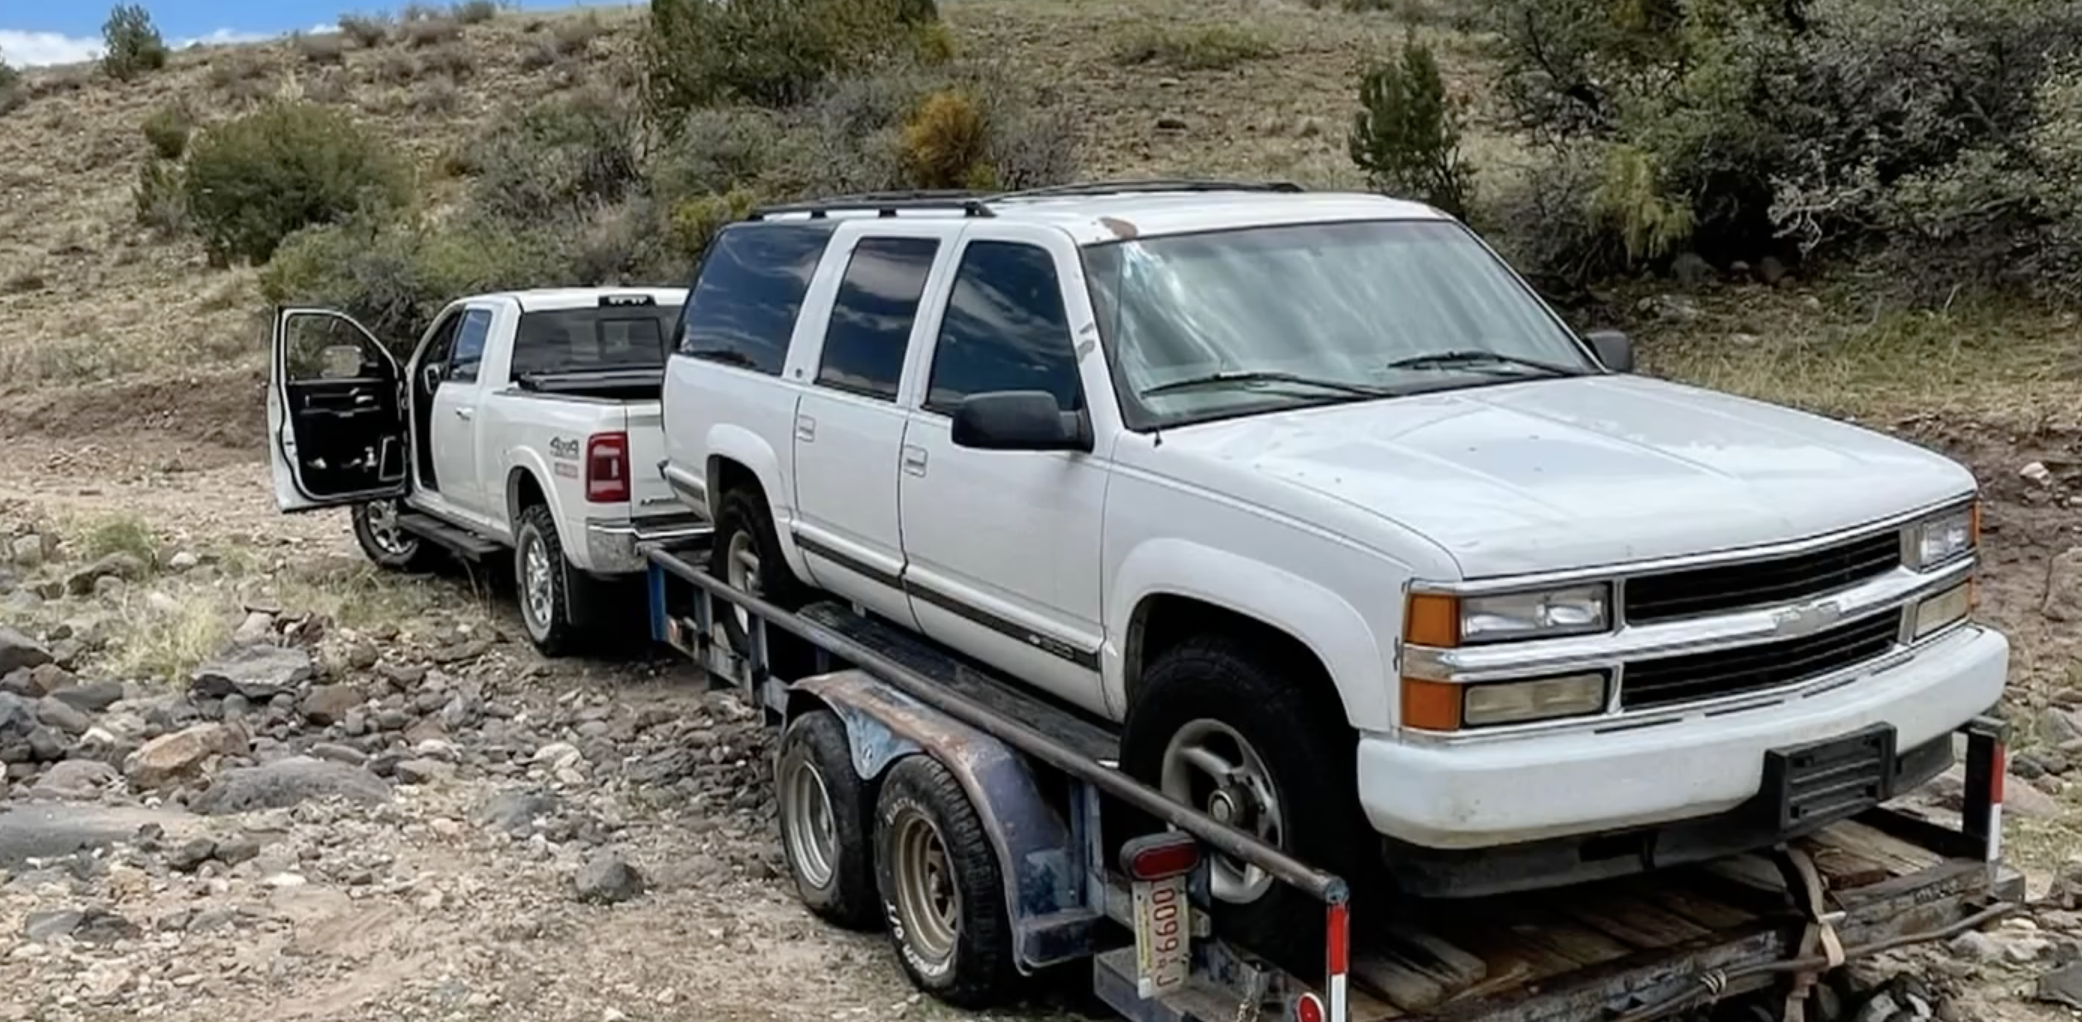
(166, 638)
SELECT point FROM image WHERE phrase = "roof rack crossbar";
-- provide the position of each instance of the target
(886, 204)
(1159, 184)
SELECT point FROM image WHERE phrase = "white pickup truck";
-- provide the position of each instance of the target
(517, 425)
(1345, 526)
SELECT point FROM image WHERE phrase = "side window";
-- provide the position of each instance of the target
(742, 307)
(1005, 329)
(321, 346)
(871, 317)
(469, 346)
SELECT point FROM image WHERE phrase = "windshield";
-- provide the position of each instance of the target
(1225, 323)
(591, 338)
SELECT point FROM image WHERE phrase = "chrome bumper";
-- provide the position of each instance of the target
(615, 548)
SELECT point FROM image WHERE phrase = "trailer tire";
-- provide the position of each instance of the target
(746, 552)
(825, 808)
(941, 886)
(1220, 691)
(543, 581)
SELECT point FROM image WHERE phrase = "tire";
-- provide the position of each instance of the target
(543, 584)
(745, 528)
(389, 547)
(829, 855)
(1210, 691)
(941, 887)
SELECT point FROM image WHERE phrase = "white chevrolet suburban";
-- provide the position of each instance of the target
(512, 427)
(1340, 521)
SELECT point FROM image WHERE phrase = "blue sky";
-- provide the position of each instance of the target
(33, 33)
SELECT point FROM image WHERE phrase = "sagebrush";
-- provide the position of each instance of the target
(251, 181)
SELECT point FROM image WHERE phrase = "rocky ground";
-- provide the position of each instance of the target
(248, 778)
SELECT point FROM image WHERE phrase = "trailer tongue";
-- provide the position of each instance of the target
(1032, 778)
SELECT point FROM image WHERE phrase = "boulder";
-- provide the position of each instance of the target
(18, 651)
(259, 673)
(182, 755)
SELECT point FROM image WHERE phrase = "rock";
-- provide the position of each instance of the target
(2064, 586)
(50, 830)
(49, 678)
(181, 756)
(1878, 1008)
(74, 779)
(2037, 473)
(50, 924)
(46, 745)
(606, 879)
(287, 782)
(1671, 308)
(1171, 122)
(19, 683)
(62, 715)
(26, 552)
(423, 771)
(2058, 726)
(258, 673)
(330, 704)
(18, 651)
(233, 851)
(17, 717)
(191, 854)
(339, 753)
(1976, 946)
(2030, 802)
(1691, 269)
(183, 561)
(557, 756)
(402, 678)
(92, 697)
(1771, 271)
(255, 630)
(120, 566)
(515, 812)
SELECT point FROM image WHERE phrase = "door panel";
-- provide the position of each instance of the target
(454, 427)
(335, 413)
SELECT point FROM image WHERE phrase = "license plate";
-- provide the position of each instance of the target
(1163, 936)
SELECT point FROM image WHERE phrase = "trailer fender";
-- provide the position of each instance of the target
(1036, 853)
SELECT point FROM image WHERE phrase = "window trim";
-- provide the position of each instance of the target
(925, 280)
(1137, 418)
(826, 227)
(924, 403)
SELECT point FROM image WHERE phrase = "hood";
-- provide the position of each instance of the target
(1549, 475)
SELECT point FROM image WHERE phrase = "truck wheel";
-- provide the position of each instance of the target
(543, 579)
(825, 811)
(1214, 725)
(386, 545)
(941, 886)
(746, 553)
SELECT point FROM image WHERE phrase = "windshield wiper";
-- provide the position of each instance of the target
(1246, 377)
(1474, 358)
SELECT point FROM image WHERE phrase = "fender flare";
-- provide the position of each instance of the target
(1037, 854)
(524, 462)
(735, 443)
(1331, 628)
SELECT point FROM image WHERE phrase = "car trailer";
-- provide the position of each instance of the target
(911, 781)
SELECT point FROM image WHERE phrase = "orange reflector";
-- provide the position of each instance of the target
(1973, 593)
(1973, 524)
(1430, 705)
(1432, 619)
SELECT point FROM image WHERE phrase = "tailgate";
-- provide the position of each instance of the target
(648, 493)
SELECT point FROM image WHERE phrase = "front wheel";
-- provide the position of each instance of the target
(1215, 725)
(388, 545)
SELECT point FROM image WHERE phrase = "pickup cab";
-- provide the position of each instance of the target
(513, 428)
(1360, 545)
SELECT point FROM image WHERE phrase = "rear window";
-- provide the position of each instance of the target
(592, 338)
(742, 308)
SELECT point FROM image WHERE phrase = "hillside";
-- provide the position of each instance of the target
(132, 406)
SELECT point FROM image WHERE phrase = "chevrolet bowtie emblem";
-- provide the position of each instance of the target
(1806, 619)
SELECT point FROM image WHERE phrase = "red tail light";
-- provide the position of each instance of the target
(1157, 856)
(607, 468)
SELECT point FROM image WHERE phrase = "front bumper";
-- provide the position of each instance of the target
(1624, 776)
(615, 547)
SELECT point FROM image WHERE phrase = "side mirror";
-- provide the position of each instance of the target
(1019, 420)
(1613, 349)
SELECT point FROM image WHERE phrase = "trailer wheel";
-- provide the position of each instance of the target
(746, 553)
(1215, 725)
(825, 811)
(941, 886)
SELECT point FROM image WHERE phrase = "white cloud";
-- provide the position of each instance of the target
(36, 49)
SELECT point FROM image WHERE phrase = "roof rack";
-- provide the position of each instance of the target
(884, 204)
(1158, 184)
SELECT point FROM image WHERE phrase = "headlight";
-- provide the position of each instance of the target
(1948, 607)
(1446, 620)
(1943, 538)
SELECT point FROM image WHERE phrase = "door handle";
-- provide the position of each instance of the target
(462, 413)
(914, 460)
(805, 428)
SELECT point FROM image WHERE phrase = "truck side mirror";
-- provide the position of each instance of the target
(1018, 420)
(1613, 348)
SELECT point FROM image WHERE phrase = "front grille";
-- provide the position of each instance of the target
(1726, 587)
(1694, 676)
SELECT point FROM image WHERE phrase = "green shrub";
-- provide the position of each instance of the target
(570, 154)
(1406, 135)
(12, 92)
(474, 12)
(158, 195)
(947, 143)
(367, 30)
(770, 52)
(1211, 48)
(252, 181)
(457, 62)
(167, 130)
(394, 276)
(693, 222)
(131, 44)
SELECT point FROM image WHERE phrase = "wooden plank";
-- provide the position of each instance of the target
(1634, 920)
(1439, 955)
(1753, 871)
(1404, 983)
(1701, 908)
(1414, 967)
(1901, 858)
(1555, 932)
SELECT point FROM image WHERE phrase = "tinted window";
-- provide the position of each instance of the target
(872, 315)
(593, 337)
(469, 346)
(743, 304)
(1005, 329)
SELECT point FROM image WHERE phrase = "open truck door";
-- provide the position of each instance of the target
(336, 415)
